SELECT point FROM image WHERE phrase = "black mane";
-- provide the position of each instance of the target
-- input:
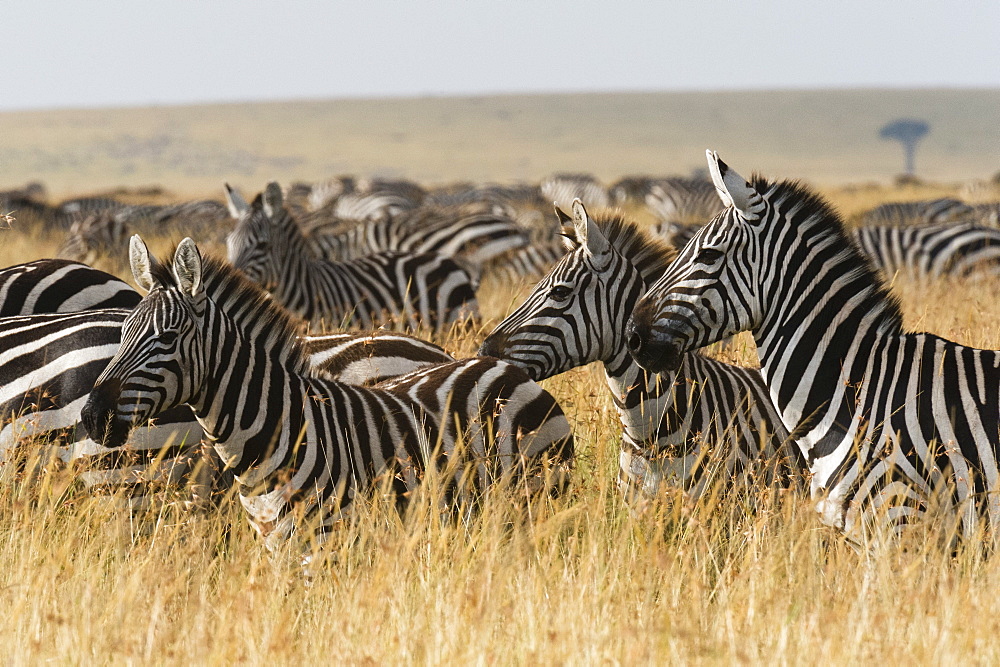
(815, 214)
(260, 316)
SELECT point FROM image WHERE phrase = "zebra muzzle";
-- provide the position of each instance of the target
(656, 351)
(99, 415)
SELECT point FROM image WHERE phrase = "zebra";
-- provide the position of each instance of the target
(301, 444)
(931, 251)
(891, 423)
(48, 366)
(929, 211)
(94, 236)
(576, 315)
(269, 248)
(105, 233)
(682, 202)
(562, 189)
(368, 359)
(52, 361)
(515, 196)
(364, 206)
(475, 233)
(530, 262)
(72, 210)
(60, 286)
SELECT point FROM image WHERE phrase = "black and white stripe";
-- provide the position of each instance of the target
(301, 444)
(561, 189)
(928, 211)
(892, 424)
(932, 251)
(474, 233)
(47, 368)
(51, 362)
(708, 419)
(682, 202)
(269, 248)
(60, 286)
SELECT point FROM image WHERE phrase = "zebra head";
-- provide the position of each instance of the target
(712, 290)
(575, 315)
(159, 363)
(258, 237)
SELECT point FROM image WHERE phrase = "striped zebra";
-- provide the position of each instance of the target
(52, 361)
(893, 424)
(92, 237)
(475, 233)
(515, 196)
(72, 210)
(48, 366)
(528, 263)
(680, 428)
(301, 444)
(365, 206)
(270, 249)
(562, 189)
(368, 359)
(324, 193)
(683, 202)
(930, 211)
(932, 251)
(106, 233)
(60, 286)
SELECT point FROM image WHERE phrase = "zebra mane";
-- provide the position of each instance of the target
(650, 255)
(809, 211)
(260, 317)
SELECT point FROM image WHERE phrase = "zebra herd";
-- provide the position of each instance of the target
(209, 381)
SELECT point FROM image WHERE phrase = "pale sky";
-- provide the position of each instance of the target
(76, 53)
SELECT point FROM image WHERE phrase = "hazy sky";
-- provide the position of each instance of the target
(72, 53)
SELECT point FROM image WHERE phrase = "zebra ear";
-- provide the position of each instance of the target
(587, 233)
(138, 259)
(733, 189)
(272, 199)
(564, 218)
(187, 267)
(235, 201)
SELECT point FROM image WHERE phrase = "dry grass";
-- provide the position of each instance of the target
(744, 576)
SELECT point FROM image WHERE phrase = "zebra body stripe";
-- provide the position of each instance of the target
(891, 423)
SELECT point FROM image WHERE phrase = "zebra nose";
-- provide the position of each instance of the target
(98, 415)
(633, 338)
(493, 346)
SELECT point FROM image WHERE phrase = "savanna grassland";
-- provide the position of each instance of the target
(745, 575)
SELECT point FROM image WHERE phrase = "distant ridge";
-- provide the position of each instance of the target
(826, 136)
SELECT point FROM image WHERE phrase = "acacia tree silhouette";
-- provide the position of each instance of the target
(907, 131)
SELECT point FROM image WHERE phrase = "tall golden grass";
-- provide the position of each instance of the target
(744, 575)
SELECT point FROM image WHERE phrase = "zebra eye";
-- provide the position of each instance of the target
(710, 255)
(560, 293)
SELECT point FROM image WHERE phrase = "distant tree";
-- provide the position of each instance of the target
(908, 132)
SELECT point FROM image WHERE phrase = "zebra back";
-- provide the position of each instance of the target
(474, 233)
(683, 201)
(929, 211)
(932, 251)
(60, 286)
(270, 249)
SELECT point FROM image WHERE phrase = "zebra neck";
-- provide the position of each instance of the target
(641, 398)
(815, 341)
(251, 403)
